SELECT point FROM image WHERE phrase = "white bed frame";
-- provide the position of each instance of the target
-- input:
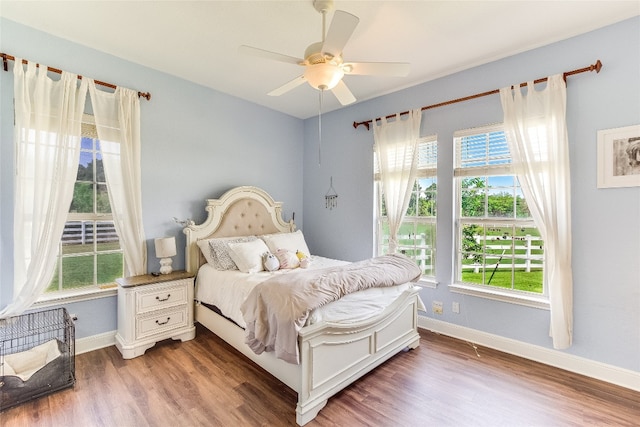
(332, 356)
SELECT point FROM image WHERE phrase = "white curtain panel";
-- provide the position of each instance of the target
(48, 117)
(396, 145)
(117, 117)
(536, 130)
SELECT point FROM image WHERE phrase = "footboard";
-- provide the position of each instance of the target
(334, 355)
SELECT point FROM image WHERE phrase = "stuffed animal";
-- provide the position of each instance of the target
(270, 261)
(305, 261)
(288, 260)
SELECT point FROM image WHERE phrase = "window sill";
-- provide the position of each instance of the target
(59, 298)
(427, 283)
(534, 301)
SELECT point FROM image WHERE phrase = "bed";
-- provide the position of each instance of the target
(332, 354)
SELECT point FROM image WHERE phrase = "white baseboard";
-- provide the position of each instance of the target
(590, 368)
(95, 342)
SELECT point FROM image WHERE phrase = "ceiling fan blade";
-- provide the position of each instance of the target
(254, 51)
(288, 86)
(397, 69)
(342, 27)
(344, 95)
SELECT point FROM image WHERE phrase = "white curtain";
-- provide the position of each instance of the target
(536, 131)
(117, 117)
(48, 118)
(396, 145)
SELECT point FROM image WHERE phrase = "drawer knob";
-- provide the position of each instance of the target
(163, 299)
(163, 323)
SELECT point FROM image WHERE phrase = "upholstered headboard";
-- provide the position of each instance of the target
(242, 211)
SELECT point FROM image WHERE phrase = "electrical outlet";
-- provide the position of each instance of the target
(455, 307)
(437, 307)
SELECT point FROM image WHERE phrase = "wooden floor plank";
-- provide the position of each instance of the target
(444, 382)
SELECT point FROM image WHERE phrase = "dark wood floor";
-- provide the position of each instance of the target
(205, 382)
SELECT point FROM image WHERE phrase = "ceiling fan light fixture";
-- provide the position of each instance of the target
(323, 76)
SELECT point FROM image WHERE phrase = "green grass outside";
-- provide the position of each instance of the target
(523, 281)
(88, 248)
(78, 271)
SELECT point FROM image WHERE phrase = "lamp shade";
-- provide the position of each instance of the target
(323, 76)
(165, 247)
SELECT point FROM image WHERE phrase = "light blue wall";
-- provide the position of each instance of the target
(209, 142)
(196, 144)
(606, 222)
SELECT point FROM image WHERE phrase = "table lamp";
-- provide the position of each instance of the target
(165, 249)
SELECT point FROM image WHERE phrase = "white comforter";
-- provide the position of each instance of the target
(227, 290)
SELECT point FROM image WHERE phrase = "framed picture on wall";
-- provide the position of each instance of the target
(619, 157)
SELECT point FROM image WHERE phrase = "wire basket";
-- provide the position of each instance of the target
(37, 356)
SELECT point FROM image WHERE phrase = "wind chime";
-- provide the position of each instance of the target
(331, 198)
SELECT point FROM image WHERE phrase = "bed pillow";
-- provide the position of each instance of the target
(293, 242)
(248, 255)
(219, 249)
(287, 259)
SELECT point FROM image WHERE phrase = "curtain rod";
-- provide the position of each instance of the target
(595, 67)
(7, 57)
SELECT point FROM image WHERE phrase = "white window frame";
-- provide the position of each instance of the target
(88, 292)
(427, 168)
(501, 167)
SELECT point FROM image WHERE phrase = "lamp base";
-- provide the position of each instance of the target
(165, 265)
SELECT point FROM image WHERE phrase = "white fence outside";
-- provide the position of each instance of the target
(416, 244)
(421, 252)
(530, 259)
(84, 232)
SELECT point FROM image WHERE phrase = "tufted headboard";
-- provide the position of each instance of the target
(241, 211)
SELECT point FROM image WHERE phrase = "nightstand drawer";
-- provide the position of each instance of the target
(160, 322)
(159, 298)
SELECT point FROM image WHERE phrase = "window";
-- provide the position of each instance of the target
(498, 246)
(89, 253)
(417, 236)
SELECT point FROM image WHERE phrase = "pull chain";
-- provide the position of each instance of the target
(320, 128)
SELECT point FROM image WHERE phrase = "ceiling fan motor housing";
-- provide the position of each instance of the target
(313, 54)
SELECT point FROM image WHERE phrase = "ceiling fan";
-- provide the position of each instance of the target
(323, 62)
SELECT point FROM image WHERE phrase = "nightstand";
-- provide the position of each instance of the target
(154, 308)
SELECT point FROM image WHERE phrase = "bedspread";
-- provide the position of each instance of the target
(277, 308)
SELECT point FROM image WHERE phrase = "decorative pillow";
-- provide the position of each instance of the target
(207, 251)
(287, 259)
(270, 261)
(220, 247)
(291, 241)
(248, 255)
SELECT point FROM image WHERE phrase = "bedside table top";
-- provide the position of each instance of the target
(147, 279)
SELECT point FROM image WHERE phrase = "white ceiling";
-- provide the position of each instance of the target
(198, 40)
